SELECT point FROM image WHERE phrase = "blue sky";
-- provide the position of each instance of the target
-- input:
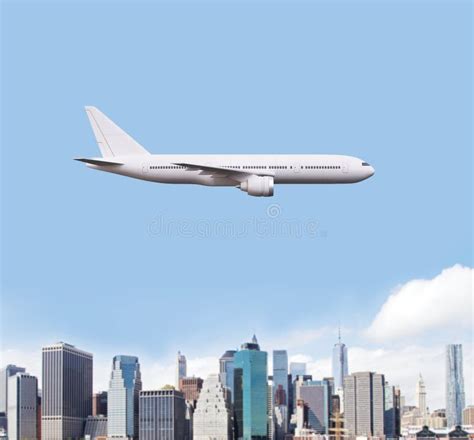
(390, 82)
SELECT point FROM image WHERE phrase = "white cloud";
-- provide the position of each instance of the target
(422, 305)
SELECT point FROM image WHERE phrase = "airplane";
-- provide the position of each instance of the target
(255, 174)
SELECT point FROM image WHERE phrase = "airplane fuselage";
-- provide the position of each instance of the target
(284, 168)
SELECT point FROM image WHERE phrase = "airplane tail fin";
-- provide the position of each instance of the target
(112, 140)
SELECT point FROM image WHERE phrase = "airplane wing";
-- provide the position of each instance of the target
(98, 161)
(231, 173)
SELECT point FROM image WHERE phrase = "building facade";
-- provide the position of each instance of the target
(280, 393)
(95, 428)
(5, 374)
(67, 391)
(162, 415)
(99, 404)
(421, 396)
(364, 396)
(340, 364)
(250, 385)
(468, 415)
(391, 413)
(297, 369)
(122, 398)
(455, 399)
(226, 371)
(22, 407)
(181, 368)
(212, 417)
(191, 387)
(316, 396)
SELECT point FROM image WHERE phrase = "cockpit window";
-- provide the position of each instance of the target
(365, 164)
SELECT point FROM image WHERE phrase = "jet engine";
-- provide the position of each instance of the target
(258, 186)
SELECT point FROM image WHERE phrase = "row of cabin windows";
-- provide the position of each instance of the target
(166, 167)
(330, 167)
(245, 167)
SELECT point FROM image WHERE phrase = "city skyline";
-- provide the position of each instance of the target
(200, 369)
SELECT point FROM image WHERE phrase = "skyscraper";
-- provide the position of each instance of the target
(297, 369)
(99, 403)
(22, 400)
(162, 415)
(250, 385)
(212, 417)
(226, 371)
(390, 412)
(421, 396)
(122, 399)
(364, 395)
(67, 391)
(191, 387)
(280, 392)
(340, 365)
(280, 377)
(180, 368)
(5, 373)
(455, 400)
(316, 396)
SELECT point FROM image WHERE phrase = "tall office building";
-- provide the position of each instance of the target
(280, 377)
(99, 404)
(280, 393)
(226, 371)
(390, 413)
(421, 396)
(297, 369)
(22, 401)
(162, 415)
(67, 391)
(212, 417)
(191, 387)
(455, 400)
(364, 395)
(297, 383)
(122, 399)
(250, 385)
(316, 396)
(340, 364)
(270, 411)
(5, 373)
(180, 368)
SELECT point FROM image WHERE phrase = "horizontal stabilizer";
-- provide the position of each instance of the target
(100, 162)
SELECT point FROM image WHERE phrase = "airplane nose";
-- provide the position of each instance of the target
(371, 171)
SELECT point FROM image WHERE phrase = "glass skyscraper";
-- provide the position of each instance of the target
(455, 399)
(180, 368)
(122, 401)
(316, 395)
(250, 386)
(280, 392)
(340, 367)
(226, 371)
(297, 369)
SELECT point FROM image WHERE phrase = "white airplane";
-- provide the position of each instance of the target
(255, 174)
